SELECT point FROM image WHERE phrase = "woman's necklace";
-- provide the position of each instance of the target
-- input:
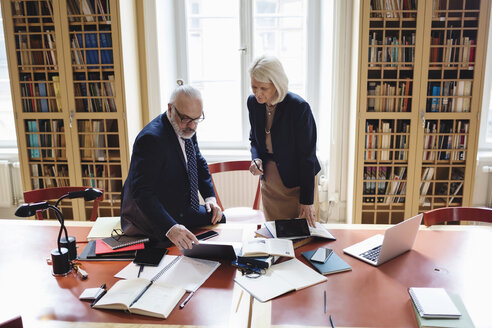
(270, 109)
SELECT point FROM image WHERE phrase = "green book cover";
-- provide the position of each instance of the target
(463, 321)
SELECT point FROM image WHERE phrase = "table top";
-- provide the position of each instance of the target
(367, 296)
(456, 258)
(29, 289)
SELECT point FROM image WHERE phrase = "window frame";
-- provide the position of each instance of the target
(313, 37)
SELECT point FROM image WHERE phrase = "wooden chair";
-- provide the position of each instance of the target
(450, 214)
(46, 194)
(251, 214)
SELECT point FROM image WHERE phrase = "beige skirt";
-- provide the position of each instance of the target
(280, 202)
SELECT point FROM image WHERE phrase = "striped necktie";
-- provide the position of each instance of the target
(192, 174)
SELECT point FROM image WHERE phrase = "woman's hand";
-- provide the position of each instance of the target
(256, 167)
(308, 212)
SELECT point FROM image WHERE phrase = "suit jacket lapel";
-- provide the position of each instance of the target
(173, 137)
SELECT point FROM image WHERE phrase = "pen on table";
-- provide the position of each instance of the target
(182, 305)
(103, 287)
(324, 299)
(256, 164)
(331, 322)
(140, 270)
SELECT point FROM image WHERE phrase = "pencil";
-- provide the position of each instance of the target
(324, 298)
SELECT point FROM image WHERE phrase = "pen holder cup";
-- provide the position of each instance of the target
(60, 262)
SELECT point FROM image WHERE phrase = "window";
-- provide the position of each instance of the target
(7, 124)
(222, 38)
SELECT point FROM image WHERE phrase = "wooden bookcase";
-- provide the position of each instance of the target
(421, 74)
(67, 85)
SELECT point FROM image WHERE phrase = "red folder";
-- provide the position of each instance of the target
(102, 248)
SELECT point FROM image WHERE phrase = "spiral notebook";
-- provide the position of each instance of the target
(433, 303)
(124, 241)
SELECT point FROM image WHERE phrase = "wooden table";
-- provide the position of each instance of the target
(28, 288)
(458, 259)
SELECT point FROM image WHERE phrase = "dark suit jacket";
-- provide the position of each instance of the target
(156, 192)
(293, 139)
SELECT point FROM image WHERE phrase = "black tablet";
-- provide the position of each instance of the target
(292, 228)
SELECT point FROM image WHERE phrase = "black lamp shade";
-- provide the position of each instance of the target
(26, 210)
(88, 194)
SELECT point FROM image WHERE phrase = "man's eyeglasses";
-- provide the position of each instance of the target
(188, 120)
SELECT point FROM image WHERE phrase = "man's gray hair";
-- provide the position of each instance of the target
(268, 69)
(188, 90)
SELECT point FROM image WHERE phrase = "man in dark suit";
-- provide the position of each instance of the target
(160, 195)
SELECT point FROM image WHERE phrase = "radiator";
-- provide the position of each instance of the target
(10, 184)
(488, 169)
(236, 188)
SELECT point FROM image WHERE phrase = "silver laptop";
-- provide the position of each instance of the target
(381, 248)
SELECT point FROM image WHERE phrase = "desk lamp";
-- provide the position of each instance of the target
(66, 251)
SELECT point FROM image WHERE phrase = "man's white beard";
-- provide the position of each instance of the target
(186, 133)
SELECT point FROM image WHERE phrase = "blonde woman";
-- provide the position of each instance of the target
(283, 143)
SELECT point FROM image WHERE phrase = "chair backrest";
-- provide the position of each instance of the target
(46, 194)
(229, 167)
(447, 214)
(15, 322)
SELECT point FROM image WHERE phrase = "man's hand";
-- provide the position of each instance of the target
(181, 237)
(308, 212)
(256, 167)
(212, 206)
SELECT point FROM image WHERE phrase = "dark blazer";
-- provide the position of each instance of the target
(293, 139)
(156, 192)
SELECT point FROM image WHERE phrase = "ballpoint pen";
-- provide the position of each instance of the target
(257, 166)
(324, 299)
(103, 287)
(140, 270)
(331, 322)
(182, 305)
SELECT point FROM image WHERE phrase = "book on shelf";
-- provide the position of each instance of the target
(264, 247)
(280, 279)
(141, 296)
(433, 303)
(333, 264)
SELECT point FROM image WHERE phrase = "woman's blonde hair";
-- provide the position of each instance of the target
(268, 69)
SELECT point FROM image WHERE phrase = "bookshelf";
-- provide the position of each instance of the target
(66, 74)
(419, 98)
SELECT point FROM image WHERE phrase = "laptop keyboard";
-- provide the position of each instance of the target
(372, 254)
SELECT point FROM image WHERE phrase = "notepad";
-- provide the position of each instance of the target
(433, 303)
(334, 263)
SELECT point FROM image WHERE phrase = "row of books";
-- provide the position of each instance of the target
(89, 9)
(32, 12)
(389, 97)
(391, 183)
(94, 96)
(97, 50)
(49, 175)
(452, 187)
(40, 96)
(391, 50)
(452, 50)
(393, 8)
(456, 139)
(46, 139)
(93, 141)
(386, 140)
(36, 49)
(102, 176)
(439, 100)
